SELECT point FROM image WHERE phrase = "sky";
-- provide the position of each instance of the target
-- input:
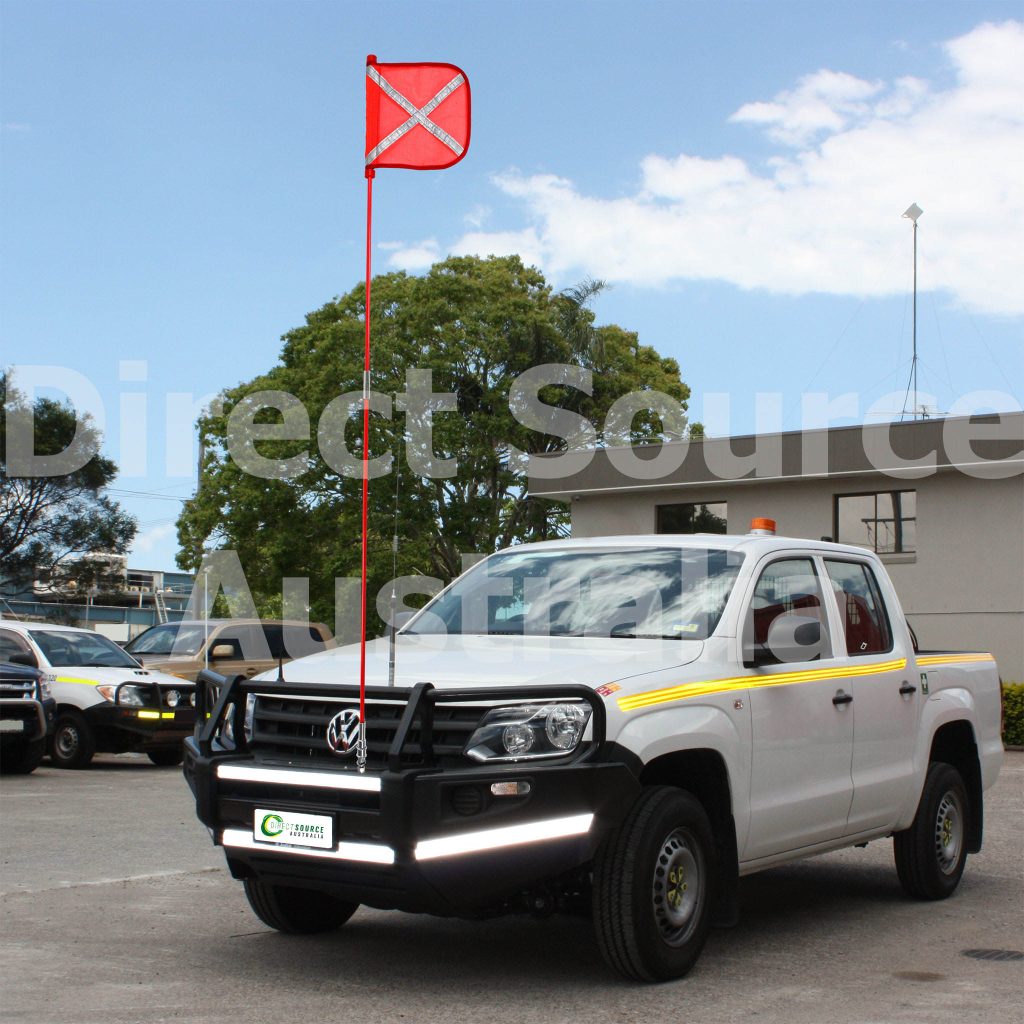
(182, 182)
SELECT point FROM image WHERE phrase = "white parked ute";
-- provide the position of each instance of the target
(106, 701)
(623, 724)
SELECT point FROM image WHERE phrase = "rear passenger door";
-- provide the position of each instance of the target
(886, 718)
(802, 720)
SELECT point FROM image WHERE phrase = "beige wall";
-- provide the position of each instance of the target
(963, 590)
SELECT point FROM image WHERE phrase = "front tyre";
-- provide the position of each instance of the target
(21, 757)
(296, 911)
(73, 743)
(654, 886)
(166, 757)
(930, 855)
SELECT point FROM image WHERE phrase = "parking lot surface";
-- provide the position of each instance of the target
(117, 910)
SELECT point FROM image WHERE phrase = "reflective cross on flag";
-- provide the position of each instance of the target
(417, 115)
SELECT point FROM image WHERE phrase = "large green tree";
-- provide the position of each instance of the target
(49, 523)
(477, 324)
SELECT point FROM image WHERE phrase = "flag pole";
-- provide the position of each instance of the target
(361, 743)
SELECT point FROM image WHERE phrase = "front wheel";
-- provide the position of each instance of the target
(654, 885)
(930, 855)
(296, 911)
(21, 757)
(74, 742)
(167, 757)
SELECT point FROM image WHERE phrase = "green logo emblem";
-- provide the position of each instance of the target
(272, 825)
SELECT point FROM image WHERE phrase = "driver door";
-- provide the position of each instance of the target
(801, 783)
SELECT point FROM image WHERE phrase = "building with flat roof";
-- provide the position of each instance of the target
(940, 500)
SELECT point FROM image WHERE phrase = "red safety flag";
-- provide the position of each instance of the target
(417, 115)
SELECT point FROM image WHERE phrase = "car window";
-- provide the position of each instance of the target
(860, 606)
(669, 593)
(248, 640)
(786, 610)
(81, 649)
(11, 643)
(301, 641)
(170, 639)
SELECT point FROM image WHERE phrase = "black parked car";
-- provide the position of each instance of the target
(27, 712)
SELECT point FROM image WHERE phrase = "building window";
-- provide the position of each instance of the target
(692, 517)
(885, 521)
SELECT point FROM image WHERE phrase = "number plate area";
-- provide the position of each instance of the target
(288, 828)
(11, 725)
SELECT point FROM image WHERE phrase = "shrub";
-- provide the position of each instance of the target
(1013, 714)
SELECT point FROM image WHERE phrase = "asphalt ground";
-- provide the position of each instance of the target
(117, 910)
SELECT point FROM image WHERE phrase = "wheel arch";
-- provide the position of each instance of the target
(954, 743)
(703, 773)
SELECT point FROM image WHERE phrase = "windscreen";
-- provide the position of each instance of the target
(170, 639)
(639, 593)
(81, 649)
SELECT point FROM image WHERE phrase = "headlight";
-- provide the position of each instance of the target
(227, 729)
(45, 688)
(529, 731)
(129, 694)
(172, 698)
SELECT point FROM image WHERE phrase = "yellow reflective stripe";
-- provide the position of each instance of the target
(74, 679)
(149, 714)
(167, 714)
(701, 689)
(953, 659)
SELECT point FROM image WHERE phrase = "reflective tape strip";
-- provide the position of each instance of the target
(292, 777)
(75, 679)
(701, 689)
(953, 659)
(511, 835)
(419, 115)
(167, 714)
(369, 853)
(149, 714)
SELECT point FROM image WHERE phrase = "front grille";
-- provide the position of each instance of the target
(295, 729)
(25, 689)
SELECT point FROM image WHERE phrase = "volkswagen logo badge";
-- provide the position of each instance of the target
(343, 731)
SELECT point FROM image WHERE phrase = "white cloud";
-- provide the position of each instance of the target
(826, 101)
(824, 216)
(147, 540)
(412, 255)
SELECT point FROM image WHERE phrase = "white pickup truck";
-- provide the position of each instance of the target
(623, 724)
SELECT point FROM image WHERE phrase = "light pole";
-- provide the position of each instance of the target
(912, 212)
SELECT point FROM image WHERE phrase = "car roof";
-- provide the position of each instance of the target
(50, 627)
(756, 544)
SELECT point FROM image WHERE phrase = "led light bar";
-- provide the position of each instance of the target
(368, 853)
(511, 835)
(291, 777)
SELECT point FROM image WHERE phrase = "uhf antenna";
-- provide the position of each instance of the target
(394, 574)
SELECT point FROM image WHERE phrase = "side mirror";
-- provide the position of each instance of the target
(24, 658)
(222, 651)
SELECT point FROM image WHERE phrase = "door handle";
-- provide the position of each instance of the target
(907, 688)
(842, 698)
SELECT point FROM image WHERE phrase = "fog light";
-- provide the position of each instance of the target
(172, 698)
(510, 788)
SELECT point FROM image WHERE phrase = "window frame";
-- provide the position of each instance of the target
(818, 571)
(898, 552)
(693, 504)
(876, 593)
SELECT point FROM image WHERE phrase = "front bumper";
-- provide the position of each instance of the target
(142, 728)
(30, 719)
(421, 837)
